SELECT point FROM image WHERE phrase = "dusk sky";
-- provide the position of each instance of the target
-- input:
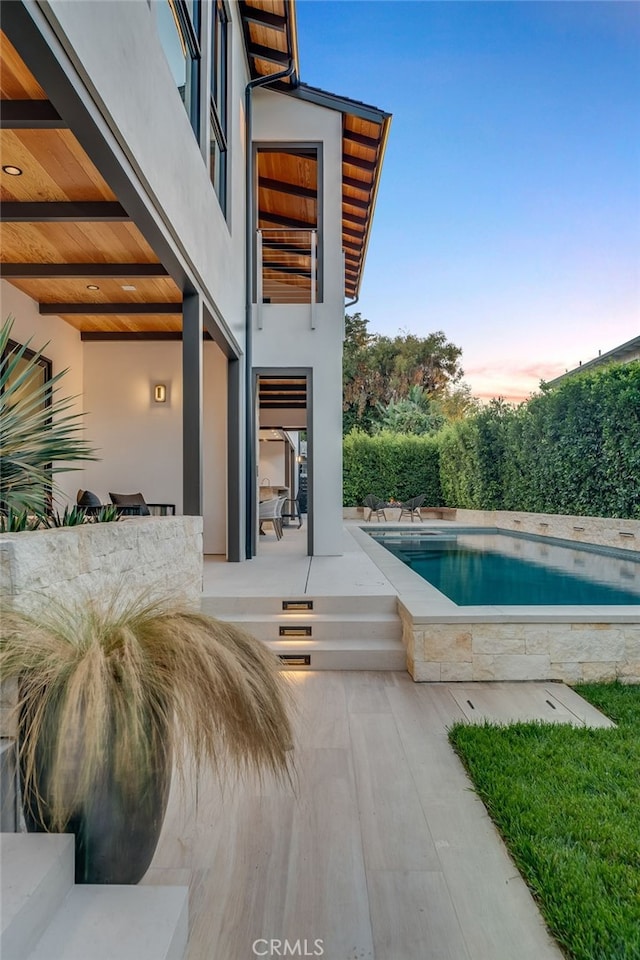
(509, 208)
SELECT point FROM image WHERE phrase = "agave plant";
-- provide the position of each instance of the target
(109, 691)
(73, 516)
(36, 439)
(12, 521)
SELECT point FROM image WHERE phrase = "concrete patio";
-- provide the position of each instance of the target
(381, 849)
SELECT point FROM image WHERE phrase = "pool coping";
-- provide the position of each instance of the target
(426, 604)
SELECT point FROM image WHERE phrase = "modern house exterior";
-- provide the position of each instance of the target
(182, 221)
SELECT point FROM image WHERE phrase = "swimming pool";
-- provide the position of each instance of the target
(490, 567)
(447, 641)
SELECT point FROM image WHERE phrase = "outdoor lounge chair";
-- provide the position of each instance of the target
(375, 505)
(412, 507)
(270, 511)
(134, 505)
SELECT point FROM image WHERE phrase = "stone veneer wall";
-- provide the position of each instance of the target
(604, 531)
(568, 651)
(159, 555)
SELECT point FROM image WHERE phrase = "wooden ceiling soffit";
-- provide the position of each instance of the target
(270, 38)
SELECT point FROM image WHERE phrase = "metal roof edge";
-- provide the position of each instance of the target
(333, 101)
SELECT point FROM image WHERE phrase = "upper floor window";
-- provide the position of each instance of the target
(179, 28)
(218, 148)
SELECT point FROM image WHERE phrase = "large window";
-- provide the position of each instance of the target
(179, 29)
(218, 148)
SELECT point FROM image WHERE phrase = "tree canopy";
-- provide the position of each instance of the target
(380, 371)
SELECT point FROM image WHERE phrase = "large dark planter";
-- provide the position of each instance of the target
(118, 827)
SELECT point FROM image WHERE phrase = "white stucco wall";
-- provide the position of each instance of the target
(141, 441)
(117, 51)
(64, 349)
(271, 465)
(287, 338)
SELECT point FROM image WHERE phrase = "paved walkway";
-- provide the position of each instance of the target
(383, 852)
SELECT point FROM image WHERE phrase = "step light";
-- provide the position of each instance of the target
(297, 605)
(294, 631)
(296, 659)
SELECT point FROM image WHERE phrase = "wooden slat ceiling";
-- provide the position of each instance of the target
(57, 258)
(270, 27)
(282, 393)
(270, 37)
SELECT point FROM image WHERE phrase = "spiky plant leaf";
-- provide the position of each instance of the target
(36, 440)
(101, 666)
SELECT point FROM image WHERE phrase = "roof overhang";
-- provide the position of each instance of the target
(271, 42)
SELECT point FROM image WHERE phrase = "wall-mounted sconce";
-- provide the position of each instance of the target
(160, 393)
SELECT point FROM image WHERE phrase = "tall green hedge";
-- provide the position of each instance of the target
(573, 449)
(391, 466)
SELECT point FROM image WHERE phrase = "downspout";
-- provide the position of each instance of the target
(248, 325)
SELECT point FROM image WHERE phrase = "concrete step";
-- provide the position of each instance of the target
(117, 923)
(37, 875)
(341, 655)
(325, 627)
(225, 607)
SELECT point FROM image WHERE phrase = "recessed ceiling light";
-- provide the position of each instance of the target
(92, 286)
(12, 171)
(128, 286)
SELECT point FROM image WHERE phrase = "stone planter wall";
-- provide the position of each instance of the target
(161, 554)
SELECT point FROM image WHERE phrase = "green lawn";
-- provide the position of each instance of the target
(567, 802)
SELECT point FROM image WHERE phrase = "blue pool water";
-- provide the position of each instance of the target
(478, 569)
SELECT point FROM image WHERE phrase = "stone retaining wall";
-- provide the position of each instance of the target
(160, 554)
(568, 651)
(604, 531)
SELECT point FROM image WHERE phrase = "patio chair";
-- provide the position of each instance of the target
(134, 505)
(89, 501)
(270, 511)
(412, 507)
(375, 505)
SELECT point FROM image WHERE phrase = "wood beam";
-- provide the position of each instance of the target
(289, 222)
(292, 189)
(360, 138)
(258, 52)
(93, 309)
(354, 218)
(109, 336)
(368, 165)
(356, 234)
(355, 202)
(263, 17)
(364, 185)
(71, 211)
(30, 115)
(284, 268)
(72, 271)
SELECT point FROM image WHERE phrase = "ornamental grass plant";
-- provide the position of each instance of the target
(99, 678)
